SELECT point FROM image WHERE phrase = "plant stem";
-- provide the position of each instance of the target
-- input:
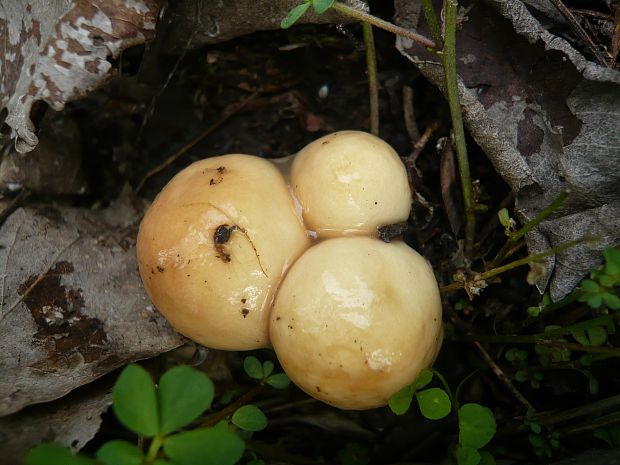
(447, 386)
(431, 19)
(373, 88)
(517, 263)
(151, 455)
(381, 24)
(448, 60)
(232, 407)
(516, 236)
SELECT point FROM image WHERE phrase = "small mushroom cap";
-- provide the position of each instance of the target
(356, 320)
(213, 247)
(349, 183)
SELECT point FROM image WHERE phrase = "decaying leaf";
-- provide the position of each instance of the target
(71, 421)
(548, 120)
(56, 51)
(72, 306)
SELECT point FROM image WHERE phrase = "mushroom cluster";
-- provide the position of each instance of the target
(236, 259)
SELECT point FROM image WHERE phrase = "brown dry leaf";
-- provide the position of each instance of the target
(72, 306)
(56, 51)
(548, 120)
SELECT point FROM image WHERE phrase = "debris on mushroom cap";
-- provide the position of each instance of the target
(355, 320)
(350, 182)
(214, 245)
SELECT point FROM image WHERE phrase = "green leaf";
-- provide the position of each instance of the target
(135, 401)
(425, 377)
(206, 446)
(267, 368)
(504, 218)
(467, 456)
(253, 367)
(249, 418)
(536, 428)
(486, 458)
(400, 402)
(434, 403)
(593, 385)
(612, 259)
(55, 454)
(590, 337)
(321, 6)
(184, 394)
(594, 300)
(294, 15)
(589, 286)
(476, 425)
(119, 452)
(278, 381)
(611, 300)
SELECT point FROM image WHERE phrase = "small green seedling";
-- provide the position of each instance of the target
(320, 7)
(476, 423)
(161, 413)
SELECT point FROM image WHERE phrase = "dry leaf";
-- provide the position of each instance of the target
(56, 51)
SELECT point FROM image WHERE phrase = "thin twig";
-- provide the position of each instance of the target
(421, 143)
(581, 33)
(502, 376)
(232, 407)
(228, 113)
(373, 85)
(409, 115)
(381, 24)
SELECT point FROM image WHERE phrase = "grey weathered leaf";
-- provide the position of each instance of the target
(547, 118)
(72, 421)
(57, 51)
(72, 307)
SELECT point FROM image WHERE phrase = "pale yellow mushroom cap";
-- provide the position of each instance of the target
(356, 320)
(350, 182)
(219, 292)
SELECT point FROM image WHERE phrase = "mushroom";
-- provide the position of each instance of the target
(349, 183)
(214, 246)
(356, 320)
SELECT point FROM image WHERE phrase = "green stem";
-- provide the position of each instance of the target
(448, 59)
(604, 320)
(447, 386)
(371, 66)
(381, 24)
(517, 263)
(516, 236)
(431, 19)
(156, 444)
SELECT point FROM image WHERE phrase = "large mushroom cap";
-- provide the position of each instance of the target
(350, 182)
(356, 320)
(214, 245)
